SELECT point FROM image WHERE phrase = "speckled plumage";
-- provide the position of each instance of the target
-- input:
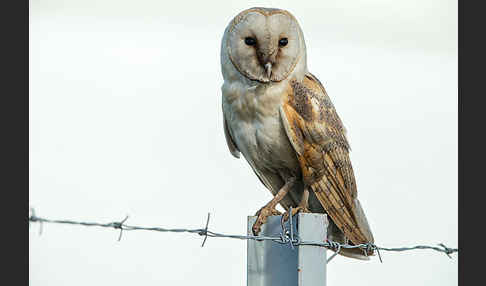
(284, 123)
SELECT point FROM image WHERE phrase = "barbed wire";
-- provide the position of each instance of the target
(286, 236)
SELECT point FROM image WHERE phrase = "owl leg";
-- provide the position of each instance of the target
(303, 206)
(269, 208)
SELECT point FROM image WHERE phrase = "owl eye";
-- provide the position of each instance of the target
(283, 42)
(250, 41)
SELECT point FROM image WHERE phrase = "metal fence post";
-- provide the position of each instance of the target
(273, 264)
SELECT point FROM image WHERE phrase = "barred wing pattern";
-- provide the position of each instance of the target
(318, 136)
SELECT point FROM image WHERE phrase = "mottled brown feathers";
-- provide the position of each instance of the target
(300, 100)
(318, 135)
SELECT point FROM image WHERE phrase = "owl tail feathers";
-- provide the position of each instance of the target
(335, 234)
(360, 253)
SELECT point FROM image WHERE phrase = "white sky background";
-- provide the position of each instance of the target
(125, 118)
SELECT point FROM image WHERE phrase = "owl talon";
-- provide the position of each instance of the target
(263, 214)
(302, 208)
(269, 209)
(295, 211)
(274, 211)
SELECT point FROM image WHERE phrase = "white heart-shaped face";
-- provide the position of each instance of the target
(264, 44)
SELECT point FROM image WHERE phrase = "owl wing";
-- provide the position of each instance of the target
(318, 137)
(229, 140)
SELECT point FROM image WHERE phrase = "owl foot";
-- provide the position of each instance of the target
(295, 211)
(301, 208)
(273, 211)
(263, 214)
(269, 209)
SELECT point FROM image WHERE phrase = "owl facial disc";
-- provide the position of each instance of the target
(265, 44)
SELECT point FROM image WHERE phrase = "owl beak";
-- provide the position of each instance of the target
(268, 69)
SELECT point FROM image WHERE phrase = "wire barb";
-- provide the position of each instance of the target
(447, 250)
(334, 245)
(119, 225)
(371, 246)
(205, 231)
(286, 236)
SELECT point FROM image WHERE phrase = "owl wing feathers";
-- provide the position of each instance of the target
(318, 137)
(229, 140)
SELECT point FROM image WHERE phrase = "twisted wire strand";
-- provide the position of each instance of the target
(285, 238)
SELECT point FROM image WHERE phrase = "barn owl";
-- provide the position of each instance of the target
(279, 116)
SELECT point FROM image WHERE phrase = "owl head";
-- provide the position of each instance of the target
(264, 45)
